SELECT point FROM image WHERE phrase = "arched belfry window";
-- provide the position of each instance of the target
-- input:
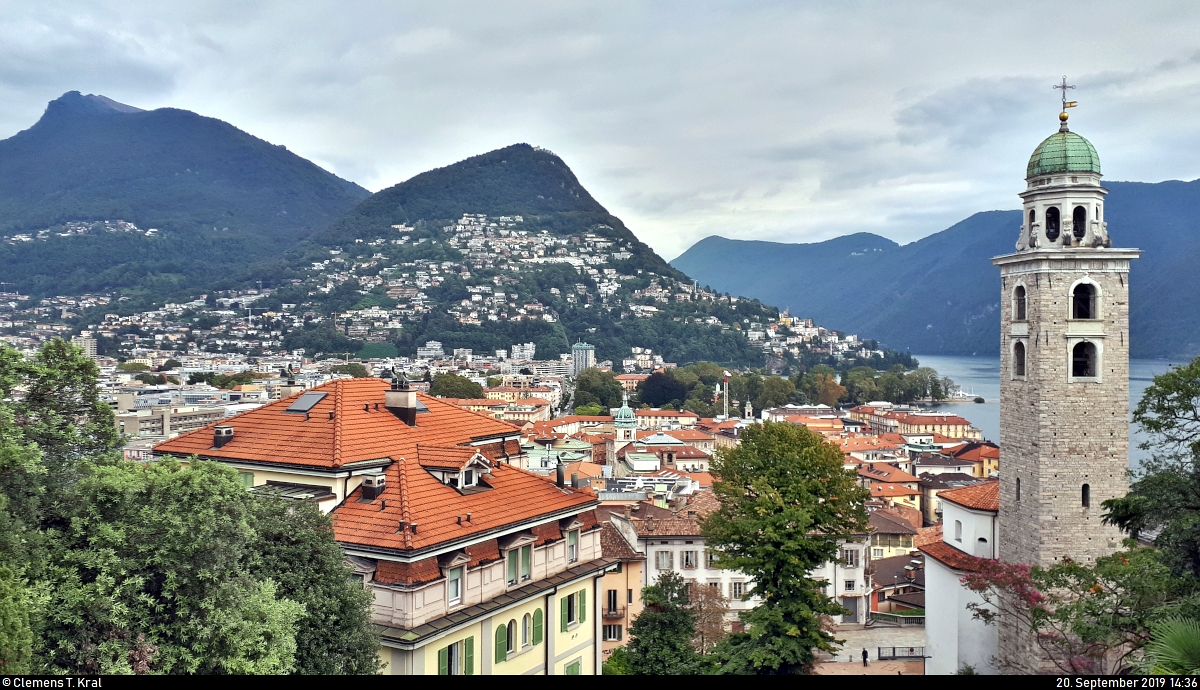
(1086, 497)
(1052, 223)
(1019, 359)
(1019, 303)
(1083, 301)
(1032, 216)
(1079, 222)
(1083, 360)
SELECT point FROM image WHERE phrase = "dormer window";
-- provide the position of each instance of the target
(468, 478)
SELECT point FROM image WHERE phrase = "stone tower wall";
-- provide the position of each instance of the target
(1056, 434)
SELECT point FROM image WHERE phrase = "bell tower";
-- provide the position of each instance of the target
(1064, 369)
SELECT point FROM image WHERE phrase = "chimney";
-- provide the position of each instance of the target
(373, 485)
(575, 480)
(628, 511)
(559, 471)
(402, 401)
(222, 435)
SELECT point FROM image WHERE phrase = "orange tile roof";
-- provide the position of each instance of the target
(444, 457)
(984, 496)
(411, 494)
(338, 430)
(613, 545)
(890, 490)
(686, 435)
(883, 472)
(950, 556)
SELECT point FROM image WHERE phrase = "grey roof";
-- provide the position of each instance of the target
(895, 571)
(949, 480)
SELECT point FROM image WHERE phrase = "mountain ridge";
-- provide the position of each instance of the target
(940, 294)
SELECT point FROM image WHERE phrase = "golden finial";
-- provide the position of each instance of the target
(1062, 117)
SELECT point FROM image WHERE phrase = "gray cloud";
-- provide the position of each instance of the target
(784, 121)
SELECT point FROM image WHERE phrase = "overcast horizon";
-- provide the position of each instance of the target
(773, 121)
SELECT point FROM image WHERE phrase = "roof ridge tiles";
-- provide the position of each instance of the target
(337, 424)
(402, 485)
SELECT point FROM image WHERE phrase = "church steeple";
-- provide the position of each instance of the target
(1064, 371)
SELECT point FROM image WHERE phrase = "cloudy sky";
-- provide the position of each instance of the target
(789, 121)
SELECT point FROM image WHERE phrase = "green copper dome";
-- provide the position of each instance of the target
(625, 416)
(1063, 151)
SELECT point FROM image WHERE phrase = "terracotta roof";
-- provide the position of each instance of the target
(613, 545)
(417, 572)
(984, 496)
(440, 512)
(928, 535)
(883, 523)
(674, 527)
(686, 435)
(444, 457)
(883, 472)
(976, 451)
(352, 433)
(951, 557)
(888, 490)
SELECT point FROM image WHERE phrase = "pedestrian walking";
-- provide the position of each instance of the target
(865, 656)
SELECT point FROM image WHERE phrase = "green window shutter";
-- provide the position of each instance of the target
(501, 643)
(583, 606)
(562, 619)
(573, 668)
(619, 633)
(537, 626)
(469, 656)
(444, 661)
(512, 566)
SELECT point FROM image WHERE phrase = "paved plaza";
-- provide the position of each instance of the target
(849, 659)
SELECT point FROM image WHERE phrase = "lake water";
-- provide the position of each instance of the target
(980, 376)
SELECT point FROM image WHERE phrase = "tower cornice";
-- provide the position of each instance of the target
(1067, 254)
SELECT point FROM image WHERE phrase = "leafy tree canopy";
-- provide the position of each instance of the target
(455, 386)
(786, 502)
(601, 388)
(662, 632)
(354, 369)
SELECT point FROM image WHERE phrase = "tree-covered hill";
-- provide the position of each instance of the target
(516, 180)
(216, 196)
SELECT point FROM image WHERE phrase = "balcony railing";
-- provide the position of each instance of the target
(612, 614)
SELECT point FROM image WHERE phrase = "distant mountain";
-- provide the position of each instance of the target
(218, 197)
(502, 248)
(940, 295)
(519, 180)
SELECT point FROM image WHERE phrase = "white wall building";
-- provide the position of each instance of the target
(955, 638)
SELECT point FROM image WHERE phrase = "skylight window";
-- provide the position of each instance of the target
(305, 403)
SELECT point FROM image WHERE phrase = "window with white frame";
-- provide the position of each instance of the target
(737, 589)
(850, 585)
(513, 558)
(850, 558)
(711, 558)
(612, 633)
(664, 560)
(526, 562)
(454, 585)
(526, 630)
(877, 553)
(572, 546)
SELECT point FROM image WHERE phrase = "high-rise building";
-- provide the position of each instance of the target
(85, 343)
(432, 349)
(583, 356)
(1064, 386)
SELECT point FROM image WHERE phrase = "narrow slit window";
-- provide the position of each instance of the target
(1079, 222)
(1086, 497)
(1019, 303)
(1019, 359)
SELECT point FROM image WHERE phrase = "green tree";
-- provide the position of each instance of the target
(58, 408)
(151, 574)
(661, 635)
(354, 369)
(1086, 619)
(295, 548)
(1165, 493)
(775, 392)
(16, 637)
(1174, 648)
(786, 503)
(660, 389)
(133, 366)
(455, 386)
(590, 410)
(602, 386)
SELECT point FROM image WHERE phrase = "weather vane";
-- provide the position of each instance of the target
(1063, 87)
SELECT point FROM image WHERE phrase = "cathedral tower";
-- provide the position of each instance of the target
(1064, 367)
